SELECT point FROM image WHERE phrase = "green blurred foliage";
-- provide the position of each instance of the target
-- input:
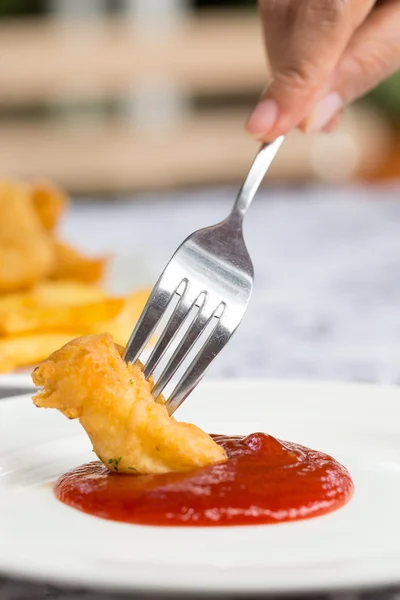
(387, 97)
(14, 8)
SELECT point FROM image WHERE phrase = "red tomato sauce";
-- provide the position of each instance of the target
(263, 481)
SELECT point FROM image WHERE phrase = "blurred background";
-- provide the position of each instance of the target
(111, 97)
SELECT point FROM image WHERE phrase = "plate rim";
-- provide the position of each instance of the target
(17, 380)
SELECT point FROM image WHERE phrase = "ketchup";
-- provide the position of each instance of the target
(264, 480)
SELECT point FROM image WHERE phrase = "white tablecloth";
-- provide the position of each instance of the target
(326, 302)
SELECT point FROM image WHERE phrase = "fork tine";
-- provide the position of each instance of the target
(153, 311)
(197, 368)
(189, 339)
(182, 309)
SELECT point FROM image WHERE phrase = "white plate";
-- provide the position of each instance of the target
(16, 380)
(357, 546)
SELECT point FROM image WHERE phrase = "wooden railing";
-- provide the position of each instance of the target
(158, 139)
(48, 59)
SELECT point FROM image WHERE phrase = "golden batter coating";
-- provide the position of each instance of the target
(130, 432)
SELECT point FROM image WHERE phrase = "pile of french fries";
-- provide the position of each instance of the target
(49, 292)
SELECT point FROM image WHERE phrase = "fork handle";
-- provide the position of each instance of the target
(260, 165)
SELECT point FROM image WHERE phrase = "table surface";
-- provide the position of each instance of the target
(326, 303)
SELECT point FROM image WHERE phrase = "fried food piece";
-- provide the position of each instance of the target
(28, 349)
(26, 250)
(29, 249)
(49, 203)
(130, 432)
(71, 264)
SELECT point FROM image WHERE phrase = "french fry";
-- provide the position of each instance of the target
(71, 264)
(12, 301)
(63, 318)
(60, 293)
(27, 350)
(53, 293)
(31, 330)
(122, 325)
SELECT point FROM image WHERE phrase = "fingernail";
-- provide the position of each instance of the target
(263, 118)
(324, 111)
(333, 123)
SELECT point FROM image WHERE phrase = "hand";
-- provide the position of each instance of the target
(323, 54)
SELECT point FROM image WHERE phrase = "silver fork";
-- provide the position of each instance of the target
(212, 274)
